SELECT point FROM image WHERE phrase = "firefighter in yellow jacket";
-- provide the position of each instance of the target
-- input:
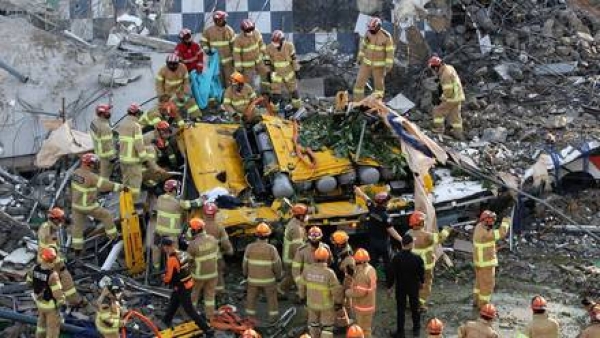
(424, 246)
(482, 327)
(293, 238)
(541, 326)
(262, 267)
(172, 77)
(344, 267)
(484, 255)
(238, 96)
(132, 151)
(452, 99)
(85, 185)
(204, 251)
(220, 37)
(376, 59)
(323, 294)
(215, 229)
(305, 254)
(102, 136)
(280, 56)
(186, 107)
(363, 291)
(248, 54)
(108, 318)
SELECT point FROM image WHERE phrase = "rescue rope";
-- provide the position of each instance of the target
(143, 318)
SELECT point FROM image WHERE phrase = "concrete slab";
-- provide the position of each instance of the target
(20, 256)
(312, 87)
(555, 68)
(401, 104)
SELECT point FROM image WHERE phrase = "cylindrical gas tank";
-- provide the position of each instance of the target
(282, 186)
(304, 186)
(326, 184)
(368, 175)
(347, 178)
(264, 142)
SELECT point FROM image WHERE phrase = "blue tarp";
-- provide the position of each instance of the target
(411, 140)
(207, 85)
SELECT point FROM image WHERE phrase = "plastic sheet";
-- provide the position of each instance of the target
(207, 85)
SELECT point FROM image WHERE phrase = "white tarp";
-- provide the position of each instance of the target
(63, 141)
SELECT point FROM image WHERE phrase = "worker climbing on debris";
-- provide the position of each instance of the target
(172, 77)
(238, 96)
(484, 255)
(435, 327)
(424, 245)
(451, 99)
(203, 251)
(323, 294)
(187, 107)
(168, 154)
(280, 57)
(363, 291)
(376, 59)
(355, 331)
(593, 330)
(215, 229)
(305, 256)
(262, 268)
(541, 326)
(344, 267)
(189, 52)
(109, 316)
(293, 238)
(178, 276)
(132, 152)
(102, 136)
(48, 295)
(482, 327)
(248, 55)
(85, 185)
(220, 37)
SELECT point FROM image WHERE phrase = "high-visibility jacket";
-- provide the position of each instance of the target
(377, 50)
(236, 102)
(108, 318)
(305, 257)
(424, 244)
(248, 50)
(204, 251)
(363, 290)
(321, 287)
(212, 227)
(452, 90)
(484, 243)
(177, 273)
(282, 60)
(541, 326)
(168, 213)
(187, 107)
(131, 141)
(102, 136)
(262, 264)
(171, 82)
(47, 288)
(221, 39)
(150, 118)
(293, 238)
(592, 331)
(85, 186)
(479, 328)
(48, 237)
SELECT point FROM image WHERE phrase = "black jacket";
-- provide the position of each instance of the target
(407, 271)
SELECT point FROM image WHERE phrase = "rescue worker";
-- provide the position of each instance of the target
(203, 250)
(168, 154)
(189, 52)
(248, 54)
(407, 274)
(220, 37)
(238, 96)
(593, 330)
(305, 255)
(435, 327)
(85, 185)
(215, 229)
(187, 107)
(102, 136)
(541, 325)
(178, 276)
(376, 59)
(150, 118)
(48, 295)
(250, 333)
(293, 238)
(280, 56)
(482, 327)
(344, 266)
(132, 152)
(262, 267)
(484, 255)
(108, 318)
(48, 235)
(363, 291)
(152, 173)
(452, 98)
(323, 294)
(172, 77)
(355, 331)
(424, 246)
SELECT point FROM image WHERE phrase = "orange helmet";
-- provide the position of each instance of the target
(361, 256)
(487, 217)
(434, 61)
(56, 213)
(299, 209)
(89, 159)
(339, 237)
(162, 126)
(538, 303)
(263, 230)
(355, 331)
(48, 255)
(488, 311)
(196, 224)
(250, 333)
(210, 209)
(315, 234)
(237, 77)
(435, 326)
(381, 197)
(321, 254)
(416, 219)
(277, 36)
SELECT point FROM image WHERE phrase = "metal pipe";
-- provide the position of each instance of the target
(68, 328)
(14, 72)
(112, 256)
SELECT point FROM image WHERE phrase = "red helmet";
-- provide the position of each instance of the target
(171, 185)
(488, 311)
(210, 209)
(434, 61)
(277, 36)
(220, 15)
(48, 255)
(57, 214)
(133, 108)
(416, 219)
(435, 327)
(162, 126)
(89, 159)
(381, 197)
(103, 109)
(374, 24)
(173, 58)
(538, 303)
(185, 33)
(487, 217)
(247, 25)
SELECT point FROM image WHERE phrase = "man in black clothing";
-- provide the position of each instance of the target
(407, 273)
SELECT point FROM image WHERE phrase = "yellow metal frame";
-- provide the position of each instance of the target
(185, 330)
(132, 235)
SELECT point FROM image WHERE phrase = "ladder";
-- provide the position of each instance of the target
(185, 330)
(132, 235)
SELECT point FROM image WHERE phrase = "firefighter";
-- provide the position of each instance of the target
(424, 246)
(85, 185)
(593, 330)
(48, 235)
(132, 152)
(102, 136)
(344, 266)
(108, 318)
(250, 333)
(306, 254)
(172, 77)
(187, 107)
(482, 327)
(280, 56)
(323, 294)
(248, 54)
(150, 118)
(355, 331)
(220, 37)
(363, 291)
(178, 276)
(215, 229)
(484, 255)
(168, 154)
(152, 173)
(541, 325)
(48, 295)
(294, 237)
(262, 267)
(203, 250)
(238, 96)
(376, 59)
(189, 52)
(435, 327)
(452, 98)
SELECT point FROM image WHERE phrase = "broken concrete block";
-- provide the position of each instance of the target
(555, 68)
(556, 122)
(401, 104)
(497, 135)
(20, 256)
(114, 39)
